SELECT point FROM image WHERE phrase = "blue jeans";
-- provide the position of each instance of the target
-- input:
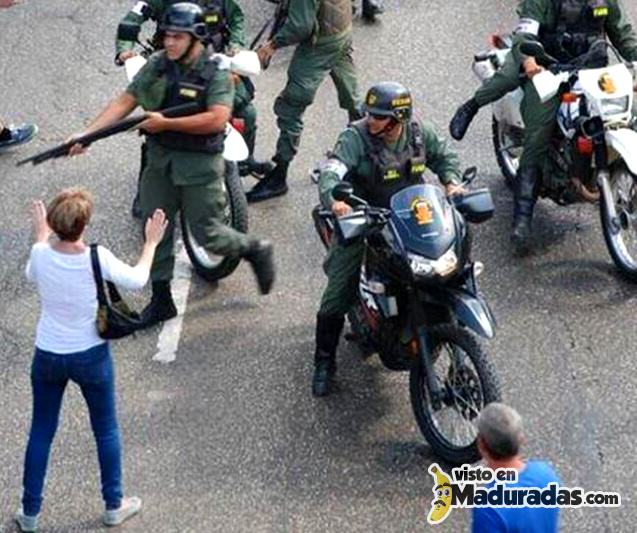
(93, 371)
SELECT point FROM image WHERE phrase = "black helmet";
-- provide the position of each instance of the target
(389, 99)
(185, 17)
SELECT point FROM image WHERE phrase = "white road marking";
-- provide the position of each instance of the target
(168, 341)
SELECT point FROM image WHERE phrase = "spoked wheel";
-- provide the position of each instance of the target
(468, 383)
(621, 233)
(507, 143)
(209, 266)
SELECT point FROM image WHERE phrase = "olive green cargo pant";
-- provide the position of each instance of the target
(203, 206)
(309, 67)
(504, 81)
(342, 266)
(539, 118)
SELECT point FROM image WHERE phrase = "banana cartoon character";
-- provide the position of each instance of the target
(441, 504)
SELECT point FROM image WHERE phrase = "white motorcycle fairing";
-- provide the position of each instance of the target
(624, 142)
(507, 109)
(234, 146)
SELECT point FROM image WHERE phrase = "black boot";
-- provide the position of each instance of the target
(260, 258)
(525, 197)
(272, 185)
(328, 332)
(161, 306)
(258, 169)
(462, 118)
(371, 8)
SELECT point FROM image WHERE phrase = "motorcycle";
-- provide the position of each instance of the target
(593, 152)
(418, 304)
(211, 267)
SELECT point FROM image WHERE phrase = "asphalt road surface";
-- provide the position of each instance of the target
(228, 437)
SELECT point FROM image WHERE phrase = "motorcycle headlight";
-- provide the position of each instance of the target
(443, 266)
(614, 106)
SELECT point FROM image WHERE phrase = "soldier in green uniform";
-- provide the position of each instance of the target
(566, 28)
(322, 33)
(185, 168)
(370, 153)
(225, 26)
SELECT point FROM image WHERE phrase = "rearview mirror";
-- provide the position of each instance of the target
(470, 174)
(127, 31)
(536, 50)
(342, 191)
(532, 48)
(476, 206)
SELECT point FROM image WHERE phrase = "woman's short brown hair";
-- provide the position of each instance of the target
(69, 213)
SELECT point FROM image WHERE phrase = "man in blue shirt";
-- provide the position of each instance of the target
(500, 438)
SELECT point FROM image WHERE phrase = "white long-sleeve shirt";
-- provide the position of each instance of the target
(68, 295)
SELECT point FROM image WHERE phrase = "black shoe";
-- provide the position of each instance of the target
(371, 8)
(136, 208)
(324, 370)
(462, 118)
(258, 169)
(521, 235)
(260, 257)
(161, 306)
(272, 185)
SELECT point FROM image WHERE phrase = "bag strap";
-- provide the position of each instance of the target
(113, 293)
(97, 275)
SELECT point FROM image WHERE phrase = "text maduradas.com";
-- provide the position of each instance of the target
(551, 496)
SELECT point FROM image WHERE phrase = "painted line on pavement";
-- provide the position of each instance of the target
(168, 340)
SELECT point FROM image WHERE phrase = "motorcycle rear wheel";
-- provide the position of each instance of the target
(209, 266)
(622, 244)
(470, 383)
(508, 150)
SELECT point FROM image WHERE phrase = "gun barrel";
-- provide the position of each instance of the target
(112, 129)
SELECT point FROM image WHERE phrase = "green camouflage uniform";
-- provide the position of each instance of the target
(175, 180)
(342, 264)
(243, 108)
(322, 31)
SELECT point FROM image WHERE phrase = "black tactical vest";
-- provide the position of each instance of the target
(184, 89)
(579, 24)
(391, 172)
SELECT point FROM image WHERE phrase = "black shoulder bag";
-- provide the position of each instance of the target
(114, 319)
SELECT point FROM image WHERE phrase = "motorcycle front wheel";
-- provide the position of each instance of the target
(507, 143)
(209, 266)
(621, 234)
(469, 382)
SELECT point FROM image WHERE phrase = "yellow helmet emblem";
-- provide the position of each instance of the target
(443, 492)
(606, 83)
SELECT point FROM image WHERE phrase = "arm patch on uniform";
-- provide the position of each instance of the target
(141, 9)
(337, 167)
(530, 26)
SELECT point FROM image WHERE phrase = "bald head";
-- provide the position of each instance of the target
(500, 429)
